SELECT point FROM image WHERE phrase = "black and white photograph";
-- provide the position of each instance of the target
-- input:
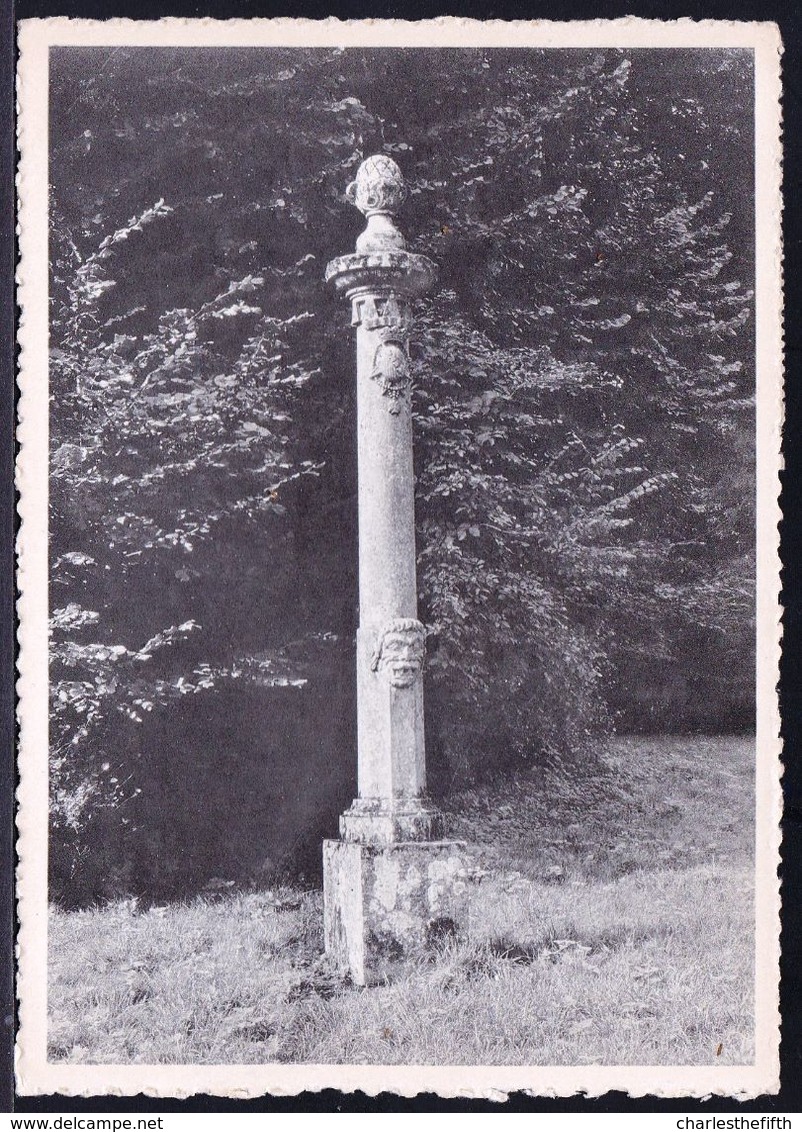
(398, 566)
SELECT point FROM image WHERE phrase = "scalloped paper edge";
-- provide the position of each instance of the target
(34, 1074)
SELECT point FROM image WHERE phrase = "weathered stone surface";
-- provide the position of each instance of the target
(385, 906)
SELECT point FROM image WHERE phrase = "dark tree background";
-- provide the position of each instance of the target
(584, 428)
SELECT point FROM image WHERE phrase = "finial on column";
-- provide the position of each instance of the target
(379, 186)
(381, 265)
(378, 192)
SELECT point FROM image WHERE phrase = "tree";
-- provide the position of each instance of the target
(583, 416)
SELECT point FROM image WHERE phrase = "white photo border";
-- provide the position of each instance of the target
(34, 1074)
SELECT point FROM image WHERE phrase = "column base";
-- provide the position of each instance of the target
(388, 904)
(375, 821)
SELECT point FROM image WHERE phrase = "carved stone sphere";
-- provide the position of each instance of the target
(379, 186)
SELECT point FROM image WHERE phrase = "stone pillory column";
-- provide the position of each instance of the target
(389, 884)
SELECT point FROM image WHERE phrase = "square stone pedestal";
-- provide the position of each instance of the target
(390, 903)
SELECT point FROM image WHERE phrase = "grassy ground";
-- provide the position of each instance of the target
(655, 803)
(615, 927)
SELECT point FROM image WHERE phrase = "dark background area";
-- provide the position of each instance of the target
(792, 987)
(583, 430)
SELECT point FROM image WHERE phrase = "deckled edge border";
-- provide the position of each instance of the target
(34, 1075)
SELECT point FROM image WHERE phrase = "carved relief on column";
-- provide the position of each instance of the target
(391, 370)
(389, 318)
(400, 651)
(379, 312)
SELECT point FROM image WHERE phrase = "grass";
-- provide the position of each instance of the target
(669, 802)
(612, 926)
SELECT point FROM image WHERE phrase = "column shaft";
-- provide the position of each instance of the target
(390, 718)
(387, 586)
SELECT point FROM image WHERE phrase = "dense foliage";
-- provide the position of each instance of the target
(584, 416)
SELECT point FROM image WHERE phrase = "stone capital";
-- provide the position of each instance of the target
(378, 273)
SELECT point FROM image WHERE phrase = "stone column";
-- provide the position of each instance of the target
(389, 883)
